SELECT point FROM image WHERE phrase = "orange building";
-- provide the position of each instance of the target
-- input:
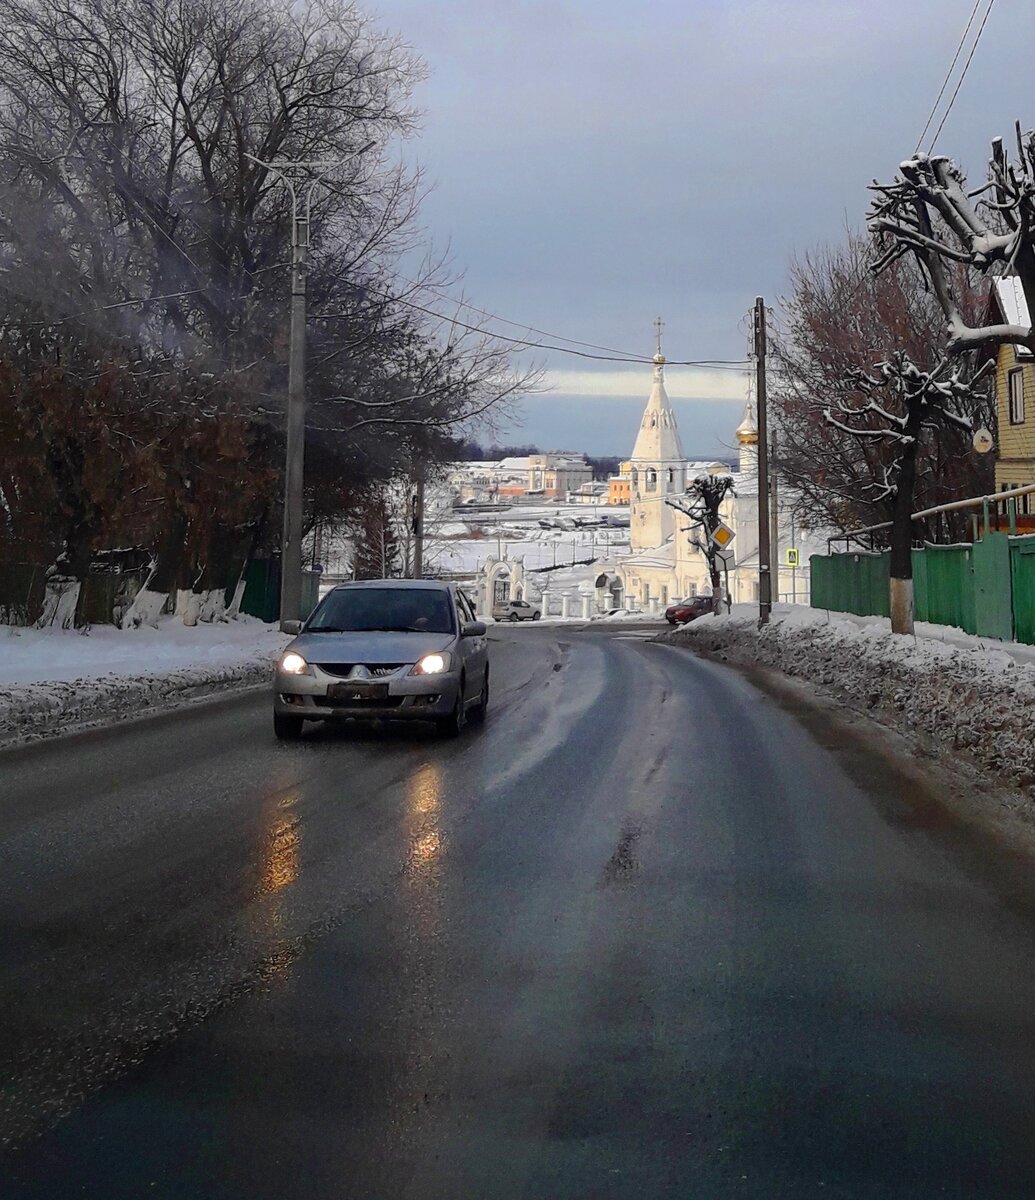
(619, 489)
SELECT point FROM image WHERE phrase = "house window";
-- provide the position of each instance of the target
(1015, 385)
(664, 595)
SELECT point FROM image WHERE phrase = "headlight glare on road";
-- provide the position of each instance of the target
(294, 664)
(431, 664)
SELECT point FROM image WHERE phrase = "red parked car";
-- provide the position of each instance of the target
(686, 610)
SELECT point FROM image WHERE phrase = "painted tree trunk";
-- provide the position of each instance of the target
(150, 601)
(901, 566)
(62, 595)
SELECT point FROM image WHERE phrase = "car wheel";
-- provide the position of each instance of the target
(287, 728)
(513, 617)
(452, 726)
(535, 616)
(481, 710)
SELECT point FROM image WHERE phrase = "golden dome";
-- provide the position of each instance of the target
(747, 430)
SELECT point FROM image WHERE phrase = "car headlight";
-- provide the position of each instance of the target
(294, 664)
(431, 664)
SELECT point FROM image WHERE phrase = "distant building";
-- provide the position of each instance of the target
(665, 563)
(555, 475)
(619, 486)
(548, 476)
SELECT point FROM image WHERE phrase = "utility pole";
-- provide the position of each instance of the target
(297, 177)
(774, 522)
(765, 583)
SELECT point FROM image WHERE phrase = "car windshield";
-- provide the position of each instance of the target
(408, 610)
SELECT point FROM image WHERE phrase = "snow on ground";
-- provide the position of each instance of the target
(50, 678)
(944, 689)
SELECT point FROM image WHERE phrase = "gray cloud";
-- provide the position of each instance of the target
(599, 162)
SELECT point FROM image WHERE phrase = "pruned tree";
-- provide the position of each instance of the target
(897, 404)
(701, 503)
(929, 212)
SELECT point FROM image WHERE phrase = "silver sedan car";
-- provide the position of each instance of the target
(388, 649)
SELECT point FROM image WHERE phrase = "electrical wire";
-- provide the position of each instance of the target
(624, 355)
(959, 82)
(948, 76)
(641, 360)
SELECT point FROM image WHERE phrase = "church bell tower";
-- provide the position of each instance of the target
(658, 465)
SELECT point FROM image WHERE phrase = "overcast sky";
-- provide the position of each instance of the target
(598, 163)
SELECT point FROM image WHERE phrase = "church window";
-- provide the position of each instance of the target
(652, 480)
(671, 476)
(636, 478)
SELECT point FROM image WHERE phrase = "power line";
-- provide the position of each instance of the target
(966, 67)
(948, 76)
(618, 356)
(624, 355)
(518, 324)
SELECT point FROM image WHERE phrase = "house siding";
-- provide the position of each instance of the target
(1015, 462)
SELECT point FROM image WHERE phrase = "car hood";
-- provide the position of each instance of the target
(372, 647)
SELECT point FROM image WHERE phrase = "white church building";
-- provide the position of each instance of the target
(663, 564)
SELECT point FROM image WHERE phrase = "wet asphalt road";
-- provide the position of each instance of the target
(640, 936)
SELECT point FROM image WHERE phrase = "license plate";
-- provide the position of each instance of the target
(345, 693)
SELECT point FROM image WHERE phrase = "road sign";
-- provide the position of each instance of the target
(982, 441)
(792, 557)
(722, 536)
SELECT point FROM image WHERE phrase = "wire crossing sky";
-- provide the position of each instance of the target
(596, 164)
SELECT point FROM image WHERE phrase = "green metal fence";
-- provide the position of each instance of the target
(262, 590)
(986, 587)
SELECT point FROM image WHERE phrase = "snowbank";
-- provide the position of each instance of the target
(944, 689)
(52, 678)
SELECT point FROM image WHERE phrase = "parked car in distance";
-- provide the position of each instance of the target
(516, 610)
(385, 649)
(687, 610)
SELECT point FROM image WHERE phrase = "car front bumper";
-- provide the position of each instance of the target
(409, 697)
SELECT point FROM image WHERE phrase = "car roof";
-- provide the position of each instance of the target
(431, 585)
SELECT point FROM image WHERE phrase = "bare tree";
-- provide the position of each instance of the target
(701, 504)
(897, 404)
(929, 212)
(838, 319)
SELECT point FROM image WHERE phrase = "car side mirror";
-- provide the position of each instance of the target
(473, 629)
(294, 627)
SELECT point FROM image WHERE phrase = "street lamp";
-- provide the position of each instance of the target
(307, 176)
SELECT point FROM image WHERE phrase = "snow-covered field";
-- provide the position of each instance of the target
(51, 679)
(460, 542)
(943, 689)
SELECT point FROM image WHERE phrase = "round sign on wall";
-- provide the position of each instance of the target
(982, 441)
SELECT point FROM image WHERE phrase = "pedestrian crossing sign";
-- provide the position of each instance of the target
(792, 557)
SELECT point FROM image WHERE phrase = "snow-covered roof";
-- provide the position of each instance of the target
(658, 439)
(521, 463)
(656, 556)
(1010, 294)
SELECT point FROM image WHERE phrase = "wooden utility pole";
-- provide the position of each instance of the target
(301, 180)
(774, 524)
(765, 583)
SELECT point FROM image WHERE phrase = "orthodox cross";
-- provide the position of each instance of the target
(659, 325)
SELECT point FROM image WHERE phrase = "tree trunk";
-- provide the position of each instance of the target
(901, 568)
(716, 578)
(152, 598)
(62, 594)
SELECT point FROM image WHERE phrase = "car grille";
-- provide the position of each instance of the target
(343, 670)
(386, 702)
